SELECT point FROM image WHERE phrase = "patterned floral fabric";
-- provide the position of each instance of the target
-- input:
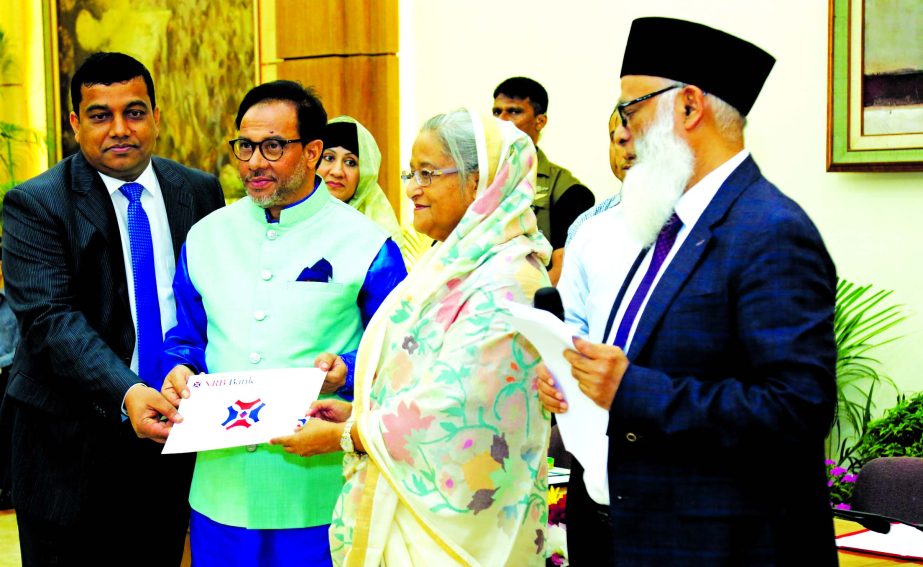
(446, 403)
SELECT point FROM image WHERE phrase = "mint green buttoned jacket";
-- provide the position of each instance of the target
(260, 317)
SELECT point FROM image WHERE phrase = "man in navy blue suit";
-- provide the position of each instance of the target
(706, 305)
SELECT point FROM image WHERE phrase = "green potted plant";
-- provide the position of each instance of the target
(13, 138)
(863, 320)
(898, 433)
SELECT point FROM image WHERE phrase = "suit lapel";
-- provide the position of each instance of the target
(177, 200)
(690, 254)
(93, 200)
(94, 204)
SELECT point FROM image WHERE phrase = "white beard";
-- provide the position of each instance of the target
(658, 177)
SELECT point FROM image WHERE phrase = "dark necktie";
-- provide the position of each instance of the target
(147, 306)
(665, 241)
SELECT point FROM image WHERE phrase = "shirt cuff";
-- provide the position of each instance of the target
(124, 411)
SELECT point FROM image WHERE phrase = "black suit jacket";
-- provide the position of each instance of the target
(65, 278)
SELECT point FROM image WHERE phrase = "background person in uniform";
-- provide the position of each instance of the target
(89, 254)
(709, 325)
(559, 197)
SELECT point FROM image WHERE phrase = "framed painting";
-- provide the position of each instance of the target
(202, 56)
(875, 86)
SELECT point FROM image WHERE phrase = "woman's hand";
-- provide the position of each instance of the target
(336, 411)
(548, 393)
(335, 368)
(316, 437)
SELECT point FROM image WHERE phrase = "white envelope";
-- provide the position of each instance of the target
(231, 409)
(583, 426)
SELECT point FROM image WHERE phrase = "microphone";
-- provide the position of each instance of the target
(549, 299)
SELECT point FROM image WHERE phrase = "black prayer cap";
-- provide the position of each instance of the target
(728, 67)
(342, 135)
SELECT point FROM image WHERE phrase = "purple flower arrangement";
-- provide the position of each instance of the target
(841, 483)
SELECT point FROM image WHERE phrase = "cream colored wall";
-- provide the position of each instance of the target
(872, 223)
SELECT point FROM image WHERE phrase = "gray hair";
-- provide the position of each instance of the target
(729, 120)
(455, 131)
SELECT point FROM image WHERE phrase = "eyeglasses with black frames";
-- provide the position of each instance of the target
(271, 148)
(623, 105)
(424, 177)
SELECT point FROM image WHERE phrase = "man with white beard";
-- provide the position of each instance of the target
(704, 303)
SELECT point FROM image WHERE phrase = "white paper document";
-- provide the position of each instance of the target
(231, 409)
(902, 541)
(583, 426)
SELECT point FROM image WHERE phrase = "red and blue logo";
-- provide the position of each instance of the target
(243, 414)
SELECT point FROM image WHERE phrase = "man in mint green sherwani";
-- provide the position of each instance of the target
(272, 281)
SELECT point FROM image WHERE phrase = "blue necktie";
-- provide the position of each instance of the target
(147, 306)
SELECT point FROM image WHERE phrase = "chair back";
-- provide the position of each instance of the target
(891, 486)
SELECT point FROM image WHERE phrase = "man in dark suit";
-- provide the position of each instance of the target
(87, 281)
(707, 297)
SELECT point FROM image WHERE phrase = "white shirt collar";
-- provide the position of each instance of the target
(693, 202)
(147, 178)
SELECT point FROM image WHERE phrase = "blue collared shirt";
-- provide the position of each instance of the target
(605, 205)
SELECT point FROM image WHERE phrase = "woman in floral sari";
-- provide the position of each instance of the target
(450, 439)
